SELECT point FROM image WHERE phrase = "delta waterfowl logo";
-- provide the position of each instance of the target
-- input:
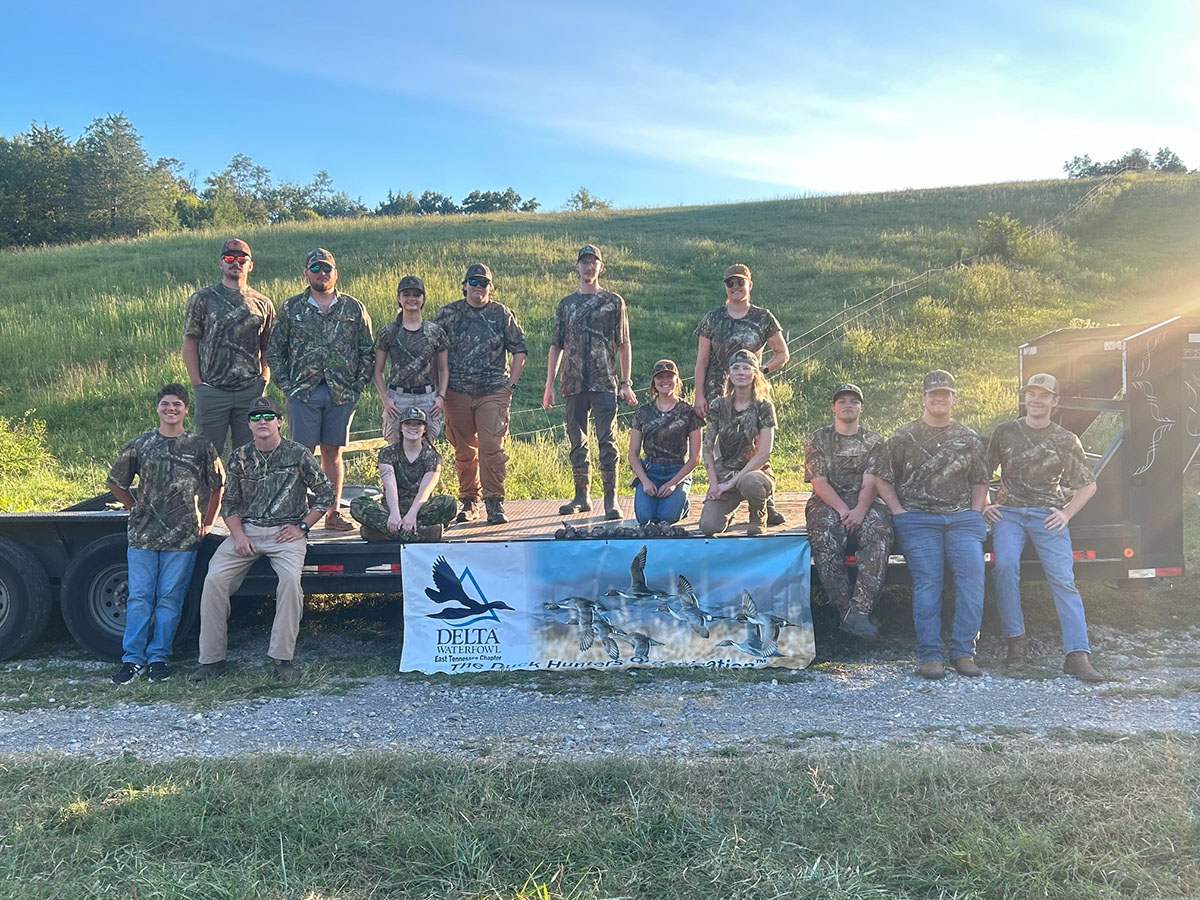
(459, 608)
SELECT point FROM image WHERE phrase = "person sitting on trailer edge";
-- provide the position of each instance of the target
(664, 449)
(409, 471)
(178, 474)
(1037, 459)
(268, 512)
(417, 348)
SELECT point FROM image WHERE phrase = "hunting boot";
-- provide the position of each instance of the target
(1079, 664)
(774, 516)
(1016, 652)
(581, 501)
(608, 478)
(495, 510)
(428, 534)
(758, 517)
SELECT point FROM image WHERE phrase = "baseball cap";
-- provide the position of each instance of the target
(665, 365)
(264, 404)
(1042, 380)
(235, 245)
(939, 380)
(740, 269)
(318, 256)
(589, 250)
(848, 388)
(414, 414)
(479, 270)
(744, 356)
(410, 283)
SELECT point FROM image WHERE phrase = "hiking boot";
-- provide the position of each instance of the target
(758, 516)
(1016, 652)
(428, 534)
(965, 665)
(859, 625)
(495, 510)
(774, 516)
(608, 478)
(335, 521)
(1079, 664)
(367, 533)
(158, 671)
(127, 673)
(207, 671)
(932, 669)
(285, 670)
(581, 501)
(469, 511)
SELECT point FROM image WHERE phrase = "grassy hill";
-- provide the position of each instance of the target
(88, 332)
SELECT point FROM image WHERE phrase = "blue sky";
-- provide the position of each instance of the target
(645, 104)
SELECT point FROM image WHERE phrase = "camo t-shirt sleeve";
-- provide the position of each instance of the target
(1037, 464)
(933, 469)
(665, 434)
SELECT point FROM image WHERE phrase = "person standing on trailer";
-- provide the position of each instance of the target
(417, 348)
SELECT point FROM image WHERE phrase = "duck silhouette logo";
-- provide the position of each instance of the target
(449, 589)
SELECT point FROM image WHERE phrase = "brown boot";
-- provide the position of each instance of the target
(965, 665)
(428, 534)
(1016, 652)
(932, 669)
(581, 501)
(608, 478)
(374, 535)
(1079, 664)
(335, 521)
(758, 519)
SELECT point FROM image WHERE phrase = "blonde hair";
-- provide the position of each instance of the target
(760, 387)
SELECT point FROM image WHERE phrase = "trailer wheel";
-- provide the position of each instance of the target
(95, 588)
(24, 598)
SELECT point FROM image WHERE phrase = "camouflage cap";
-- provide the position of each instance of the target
(318, 256)
(744, 356)
(665, 365)
(262, 405)
(236, 245)
(848, 388)
(589, 250)
(1043, 380)
(741, 270)
(939, 380)
(479, 270)
(414, 414)
(410, 283)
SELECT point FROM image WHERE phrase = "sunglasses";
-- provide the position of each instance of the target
(734, 281)
(234, 257)
(263, 417)
(478, 282)
(320, 267)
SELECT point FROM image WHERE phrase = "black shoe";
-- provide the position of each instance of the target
(126, 673)
(495, 510)
(774, 516)
(158, 671)
(205, 671)
(469, 511)
(286, 671)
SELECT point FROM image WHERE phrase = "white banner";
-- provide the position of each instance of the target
(725, 603)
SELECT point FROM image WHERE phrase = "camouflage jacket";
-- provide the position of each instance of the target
(665, 434)
(232, 329)
(479, 339)
(841, 459)
(308, 347)
(413, 354)
(409, 474)
(932, 469)
(1037, 463)
(175, 476)
(732, 435)
(589, 328)
(729, 335)
(272, 488)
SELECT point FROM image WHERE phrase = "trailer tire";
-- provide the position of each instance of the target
(25, 601)
(94, 590)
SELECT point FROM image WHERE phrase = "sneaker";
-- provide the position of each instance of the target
(469, 511)
(205, 671)
(495, 510)
(335, 521)
(775, 517)
(285, 670)
(932, 669)
(126, 673)
(158, 671)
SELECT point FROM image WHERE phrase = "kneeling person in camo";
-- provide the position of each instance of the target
(178, 474)
(268, 512)
(409, 472)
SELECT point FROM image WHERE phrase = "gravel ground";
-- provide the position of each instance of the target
(868, 697)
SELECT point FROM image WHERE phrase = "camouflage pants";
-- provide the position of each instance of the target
(437, 510)
(830, 543)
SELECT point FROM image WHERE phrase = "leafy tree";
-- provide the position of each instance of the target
(1003, 236)
(491, 201)
(35, 177)
(1136, 159)
(113, 187)
(583, 199)
(330, 204)
(1166, 160)
(398, 205)
(244, 185)
(432, 203)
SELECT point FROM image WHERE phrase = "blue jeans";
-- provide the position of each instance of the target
(668, 509)
(1054, 552)
(929, 541)
(158, 584)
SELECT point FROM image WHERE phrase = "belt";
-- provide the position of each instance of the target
(662, 461)
(422, 389)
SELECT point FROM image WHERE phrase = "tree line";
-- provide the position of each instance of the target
(1137, 159)
(103, 185)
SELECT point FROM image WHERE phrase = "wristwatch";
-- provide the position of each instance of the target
(764, 369)
(512, 384)
(627, 383)
(304, 526)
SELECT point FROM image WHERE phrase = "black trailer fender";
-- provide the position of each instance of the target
(95, 587)
(24, 598)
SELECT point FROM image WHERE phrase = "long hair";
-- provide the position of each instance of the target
(760, 388)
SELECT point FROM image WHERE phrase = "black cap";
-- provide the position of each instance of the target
(479, 270)
(264, 404)
(849, 389)
(410, 283)
(744, 356)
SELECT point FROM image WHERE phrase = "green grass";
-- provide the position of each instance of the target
(1117, 821)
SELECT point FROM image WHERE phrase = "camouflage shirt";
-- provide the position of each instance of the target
(589, 328)
(665, 434)
(1037, 463)
(308, 347)
(175, 476)
(413, 353)
(732, 434)
(272, 488)
(479, 338)
(410, 474)
(729, 335)
(232, 328)
(932, 469)
(841, 459)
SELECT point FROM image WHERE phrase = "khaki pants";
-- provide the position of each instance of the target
(476, 427)
(226, 570)
(753, 487)
(423, 402)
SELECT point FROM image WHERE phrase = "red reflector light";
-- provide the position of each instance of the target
(1169, 571)
(330, 569)
(1127, 553)
(850, 560)
(1083, 554)
(395, 567)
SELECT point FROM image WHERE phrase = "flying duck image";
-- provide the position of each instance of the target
(641, 644)
(599, 628)
(449, 589)
(771, 624)
(689, 612)
(637, 581)
(753, 644)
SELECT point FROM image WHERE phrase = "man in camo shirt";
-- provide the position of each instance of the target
(482, 335)
(1037, 459)
(268, 513)
(844, 515)
(933, 478)
(226, 328)
(591, 333)
(321, 352)
(179, 491)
